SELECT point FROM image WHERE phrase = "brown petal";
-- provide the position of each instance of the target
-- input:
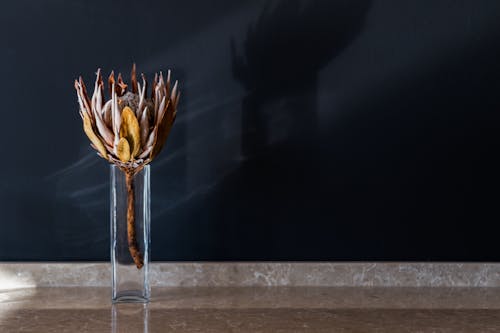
(103, 130)
(101, 85)
(84, 95)
(157, 100)
(133, 79)
(83, 108)
(144, 84)
(123, 150)
(161, 82)
(164, 128)
(174, 92)
(106, 114)
(145, 153)
(153, 87)
(111, 81)
(122, 87)
(144, 126)
(130, 130)
(167, 84)
(177, 100)
(151, 139)
(115, 113)
(87, 128)
(161, 110)
(142, 98)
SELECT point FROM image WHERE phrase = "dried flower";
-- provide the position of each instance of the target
(129, 130)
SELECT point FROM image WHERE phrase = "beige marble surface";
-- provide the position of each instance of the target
(254, 309)
(313, 274)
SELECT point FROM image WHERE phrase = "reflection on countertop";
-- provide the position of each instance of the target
(254, 309)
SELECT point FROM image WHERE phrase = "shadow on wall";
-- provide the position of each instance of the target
(282, 55)
(260, 209)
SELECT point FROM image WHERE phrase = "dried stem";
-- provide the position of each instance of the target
(131, 237)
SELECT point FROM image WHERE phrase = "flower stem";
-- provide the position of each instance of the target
(131, 235)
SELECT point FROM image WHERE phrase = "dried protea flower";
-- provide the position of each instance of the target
(130, 129)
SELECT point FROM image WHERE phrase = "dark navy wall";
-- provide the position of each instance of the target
(307, 130)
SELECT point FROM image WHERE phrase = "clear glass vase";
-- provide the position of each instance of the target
(130, 235)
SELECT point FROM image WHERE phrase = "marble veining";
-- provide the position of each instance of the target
(248, 274)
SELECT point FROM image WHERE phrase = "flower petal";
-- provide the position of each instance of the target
(111, 81)
(144, 126)
(145, 153)
(161, 110)
(174, 92)
(142, 96)
(115, 112)
(153, 86)
(103, 130)
(122, 86)
(151, 139)
(163, 129)
(177, 100)
(133, 79)
(123, 150)
(167, 84)
(84, 95)
(87, 128)
(106, 114)
(130, 130)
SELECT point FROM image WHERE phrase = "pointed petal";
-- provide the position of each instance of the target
(157, 101)
(104, 131)
(87, 128)
(121, 87)
(130, 130)
(168, 80)
(139, 92)
(97, 101)
(116, 113)
(151, 138)
(133, 79)
(83, 107)
(80, 100)
(111, 81)
(161, 111)
(101, 85)
(163, 128)
(153, 87)
(106, 113)
(96, 85)
(161, 82)
(93, 101)
(177, 101)
(142, 97)
(144, 84)
(85, 96)
(144, 126)
(123, 150)
(174, 91)
(145, 153)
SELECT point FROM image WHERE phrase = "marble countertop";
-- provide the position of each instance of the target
(259, 274)
(254, 309)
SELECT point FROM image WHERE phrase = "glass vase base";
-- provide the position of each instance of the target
(130, 296)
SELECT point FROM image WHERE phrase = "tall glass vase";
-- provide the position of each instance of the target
(130, 235)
